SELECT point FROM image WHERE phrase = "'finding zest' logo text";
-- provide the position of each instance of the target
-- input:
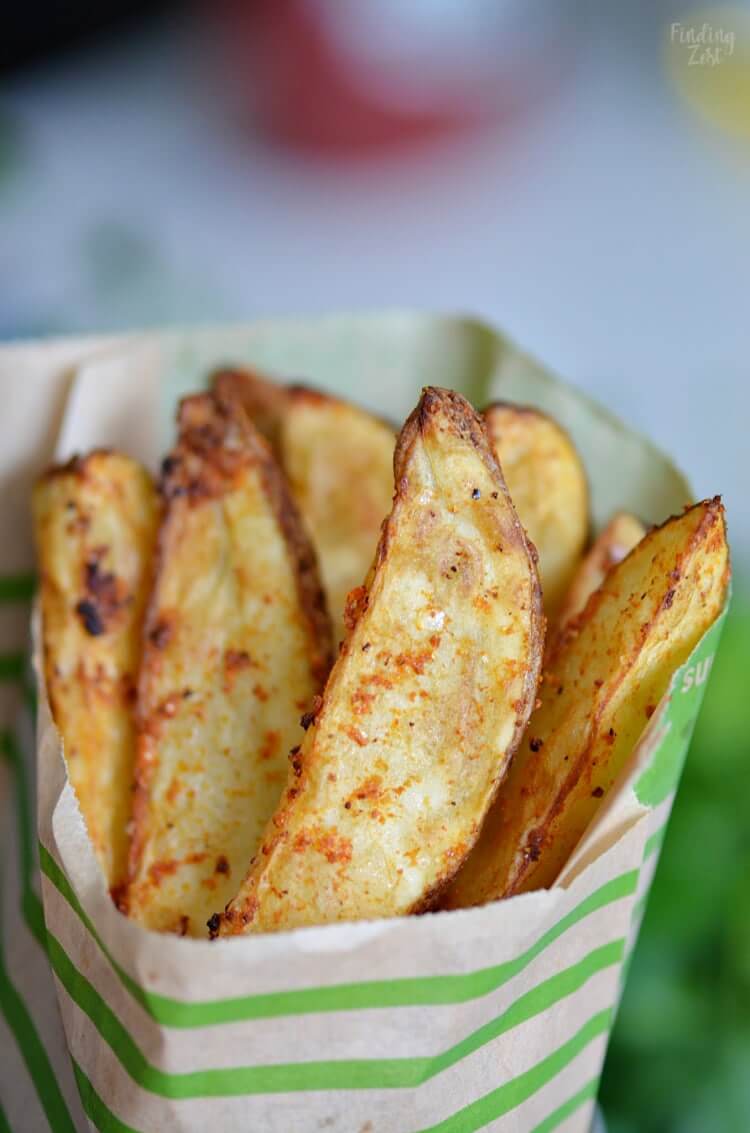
(704, 46)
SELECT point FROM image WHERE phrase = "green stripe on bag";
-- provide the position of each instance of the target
(33, 1053)
(639, 908)
(361, 1074)
(4, 1123)
(12, 1005)
(518, 1090)
(31, 906)
(569, 1107)
(95, 1109)
(654, 841)
(107, 1122)
(11, 666)
(419, 991)
(16, 588)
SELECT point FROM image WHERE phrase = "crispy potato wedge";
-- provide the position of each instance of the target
(547, 483)
(426, 703)
(614, 542)
(95, 523)
(603, 683)
(237, 644)
(339, 463)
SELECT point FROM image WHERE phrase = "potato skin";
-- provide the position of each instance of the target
(95, 524)
(338, 460)
(422, 711)
(614, 542)
(237, 643)
(601, 685)
(547, 483)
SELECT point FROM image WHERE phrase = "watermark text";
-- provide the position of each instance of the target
(705, 45)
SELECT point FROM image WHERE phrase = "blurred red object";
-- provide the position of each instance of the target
(356, 76)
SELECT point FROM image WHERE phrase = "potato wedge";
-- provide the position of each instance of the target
(237, 644)
(601, 686)
(614, 542)
(339, 463)
(547, 483)
(95, 523)
(424, 706)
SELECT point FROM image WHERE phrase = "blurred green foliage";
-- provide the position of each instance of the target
(679, 1060)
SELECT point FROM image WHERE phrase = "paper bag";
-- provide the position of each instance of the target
(492, 1018)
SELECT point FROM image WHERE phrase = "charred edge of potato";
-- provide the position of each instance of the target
(540, 837)
(266, 401)
(105, 599)
(548, 419)
(216, 440)
(469, 425)
(480, 437)
(522, 410)
(608, 550)
(301, 423)
(76, 465)
(526, 410)
(534, 412)
(538, 414)
(311, 594)
(263, 400)
(714, 511)
(299, 393)
(532, 841)
(604, 554)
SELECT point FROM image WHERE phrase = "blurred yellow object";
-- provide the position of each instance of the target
(708, 59)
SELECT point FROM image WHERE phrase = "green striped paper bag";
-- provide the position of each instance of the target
(494, 1018)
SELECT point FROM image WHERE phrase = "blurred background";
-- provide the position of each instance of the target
(577, 173)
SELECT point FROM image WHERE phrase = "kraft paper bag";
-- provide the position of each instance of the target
(493, 1018)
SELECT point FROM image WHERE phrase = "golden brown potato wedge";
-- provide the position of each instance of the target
(424, 706)
(339, 463)
(547, 483)
(603, 683)
(237, 644)
(614, 542)
(96, 521)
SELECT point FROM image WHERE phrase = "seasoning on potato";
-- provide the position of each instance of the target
(547, 483)
(423, 709)
(95, 524)
(339, 462)
(237, 643)
(231, 781)
(601, 685)
(614, 542)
